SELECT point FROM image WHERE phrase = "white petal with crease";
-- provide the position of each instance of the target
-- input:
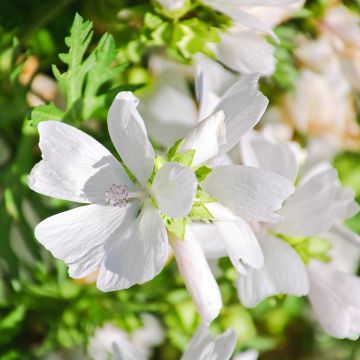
(318, 204)
(241, 244)
(138, 255)
(335, 298)
(206, 138)
(246, 52)
(78, 236)
(128, 134)
(75, 166)
(203, 347)
(174, 189)
(198, 278)
(251, 193)
(243, 105)
(260, 152)
(283, 273)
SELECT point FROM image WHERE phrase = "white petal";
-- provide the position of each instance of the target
(138, 256)
(78, 236)
(110, 341)
(283, 273)
(206, 138)
(243, 105)
(174, 189)
(251, 193)
(212, 80)
(168, 108)
(345, 249)
(335, 298)
(318, 203)
(203, 347)
(209, 238)
(197, 276)
(151, 334)
(259, 152)
(274, 12)
(75, 166)
(247, 355)
(172, 5)
(245, 52)
(241, 244)
(235, 11)
(128, 134)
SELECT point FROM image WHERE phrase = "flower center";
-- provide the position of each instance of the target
(117, 195)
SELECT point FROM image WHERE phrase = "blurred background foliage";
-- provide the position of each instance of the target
(42, 310)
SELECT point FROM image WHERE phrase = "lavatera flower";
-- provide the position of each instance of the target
(120, 232)
(297, 259)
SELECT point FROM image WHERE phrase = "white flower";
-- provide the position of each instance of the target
(245, 51)
(114, 342)
(197, 276)
(242, 48)
(241, 192)
(317, 207)
(246, 355)
(261, 15)
(318, 108)
(168, 108)
(172, 5)
(203, 347)
(343, 27)
(120, 232)
(335, 299)
(323, 104)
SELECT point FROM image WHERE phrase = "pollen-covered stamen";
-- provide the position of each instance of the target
(117, 195)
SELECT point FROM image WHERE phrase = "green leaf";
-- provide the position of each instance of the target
(314, 247)
(176, 227)
(10, 325)
(200, 212)
(348, 167)
(87, 79)
(173, 150)
(159, 162)
(186, 158)
(10, 204)
(152, 21)
(203, 197)
(45, 112)
(78, 42)
(202, 172)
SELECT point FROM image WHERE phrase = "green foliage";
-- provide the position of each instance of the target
(42, 310)
(202, 172)
(200, 212)
(175, 226)
(184, 158)
(314, 247)
(173, 150)
(87, 79)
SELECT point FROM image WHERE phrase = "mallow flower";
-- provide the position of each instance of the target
(242, 47)
(120, 232)
(228, 195)
(297, 259)
(335, 298)
(112, 342)
(203, 346)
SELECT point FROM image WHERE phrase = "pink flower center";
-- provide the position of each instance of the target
(117, 195)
